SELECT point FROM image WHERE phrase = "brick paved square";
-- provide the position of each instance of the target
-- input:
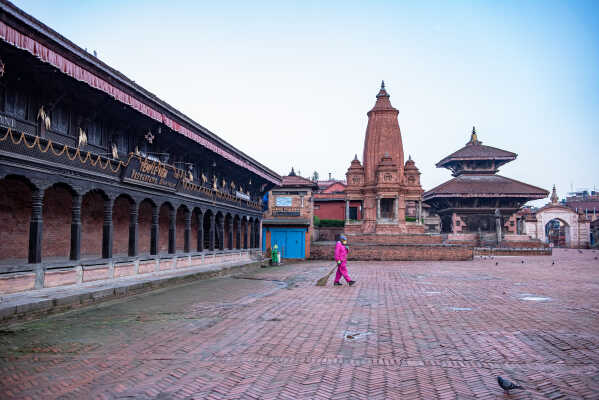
(409, 330)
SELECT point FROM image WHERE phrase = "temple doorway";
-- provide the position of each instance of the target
(557, 233)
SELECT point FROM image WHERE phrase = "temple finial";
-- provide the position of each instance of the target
(473, 137)
(409, 157)
(382, 85)
(292, 173)
(554, 198)
(356, 157)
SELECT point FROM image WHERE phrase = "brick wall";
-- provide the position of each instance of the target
(403, 252)
(330, 209)
(144, 225)
(56, 241)
(15, 197)
(92, 219)
(395, 239)
(120, 226)
(327, 233)
(163, 222)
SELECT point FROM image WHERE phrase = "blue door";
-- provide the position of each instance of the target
(291, 241)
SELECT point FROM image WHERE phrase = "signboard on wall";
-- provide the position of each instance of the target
(281, 201)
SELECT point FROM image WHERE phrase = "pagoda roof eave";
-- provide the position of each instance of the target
(485, 186)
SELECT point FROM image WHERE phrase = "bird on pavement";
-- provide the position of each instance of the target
(507, 385)
(496, 263)
(552, 262)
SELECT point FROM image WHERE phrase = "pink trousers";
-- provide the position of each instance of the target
(342, 271)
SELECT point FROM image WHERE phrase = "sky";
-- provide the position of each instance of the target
(290, 83)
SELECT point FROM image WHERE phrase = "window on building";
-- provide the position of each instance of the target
(16, 103)
(94, 133)
(353, 213)
(387, 209)
(60, 120)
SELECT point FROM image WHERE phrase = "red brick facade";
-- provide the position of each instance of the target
(15, 197)
(403, 252)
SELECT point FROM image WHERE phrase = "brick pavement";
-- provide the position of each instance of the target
(409, 330)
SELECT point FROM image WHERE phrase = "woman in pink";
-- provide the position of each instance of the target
(341, 258)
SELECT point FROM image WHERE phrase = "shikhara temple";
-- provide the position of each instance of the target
(383, 185)
(477, 196)
(100, 178)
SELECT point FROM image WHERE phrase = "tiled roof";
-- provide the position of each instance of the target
(478, 152)
(485, 186)
(322, 185)
(294, 180)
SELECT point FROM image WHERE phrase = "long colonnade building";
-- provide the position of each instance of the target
(96, 170)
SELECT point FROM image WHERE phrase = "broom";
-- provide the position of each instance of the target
(323, 281)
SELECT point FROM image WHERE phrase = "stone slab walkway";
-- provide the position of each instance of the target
(407, 330)
(36, 303)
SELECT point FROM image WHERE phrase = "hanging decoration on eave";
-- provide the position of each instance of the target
(82, 141)
(204, 179)
(149, 137)
(2, 68)
(41, 114)
(115, 151)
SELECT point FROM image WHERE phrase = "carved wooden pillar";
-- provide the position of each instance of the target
(172, 225)
(231, 225)
(245, 234)
(238, 235)
(154, 230)
(257, 233)
(200, 220)
(35, 227)
(187, 232)
(212, 231)
(107, 229)
(133, 235)
(221, 230)
(76, 227)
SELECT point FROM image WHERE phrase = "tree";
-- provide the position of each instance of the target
(315, 176)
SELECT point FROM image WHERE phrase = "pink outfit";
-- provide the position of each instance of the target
(341, 255)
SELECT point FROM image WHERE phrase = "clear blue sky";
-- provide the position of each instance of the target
(290, 83)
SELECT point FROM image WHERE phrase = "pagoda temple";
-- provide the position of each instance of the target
(383, 185)
(477, 197)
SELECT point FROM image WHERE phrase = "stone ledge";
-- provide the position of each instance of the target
(34, 304)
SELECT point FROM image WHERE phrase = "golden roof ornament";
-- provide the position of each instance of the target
(115, 151)
(82, 140)
(474, 137)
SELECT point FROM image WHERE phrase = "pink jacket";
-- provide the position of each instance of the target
(340, 252)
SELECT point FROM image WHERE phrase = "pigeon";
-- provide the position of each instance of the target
(522, 261)
(496, 263)
(552, 262)
(507, 385)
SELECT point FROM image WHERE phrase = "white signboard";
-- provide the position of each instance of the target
(283, 201)
(242, 196)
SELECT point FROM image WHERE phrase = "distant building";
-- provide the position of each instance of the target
(558, 225)
(288, 219)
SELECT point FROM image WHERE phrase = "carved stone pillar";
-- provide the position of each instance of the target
(172, 232)
(200, 220)
(378, 208)
(76, 227)
(347, 210)
(133, 234)
(107, 229)
(35, 227)
(187, 232)
(154, 230)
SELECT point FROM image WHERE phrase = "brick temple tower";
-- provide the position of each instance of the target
(383, 184)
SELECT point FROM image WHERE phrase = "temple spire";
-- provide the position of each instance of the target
(474, 137)
(382, 91)
(554, 198)
(292, 173)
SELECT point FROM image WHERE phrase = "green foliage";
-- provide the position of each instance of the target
(315, 176)
(411, 219)
(316, 221)
(332, 223)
